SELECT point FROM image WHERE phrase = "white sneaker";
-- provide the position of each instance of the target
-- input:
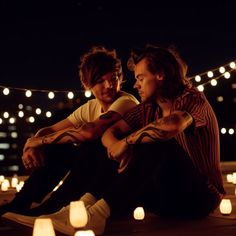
(61, 215)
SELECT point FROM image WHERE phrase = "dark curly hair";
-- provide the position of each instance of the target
(167, 63)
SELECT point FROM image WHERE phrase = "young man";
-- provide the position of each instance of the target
(167, 147)
(101, 72)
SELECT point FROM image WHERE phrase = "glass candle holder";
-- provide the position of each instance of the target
(84, 233)
(225, 207)
(43, 227)
(78, 214)
(139, 213)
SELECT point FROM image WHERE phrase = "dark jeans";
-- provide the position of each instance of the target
(161, 178)
(85, 162)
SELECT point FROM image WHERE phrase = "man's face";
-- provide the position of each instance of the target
(106, 88)
(147, 84)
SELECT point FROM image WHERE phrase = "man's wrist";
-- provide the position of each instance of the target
(127, 142)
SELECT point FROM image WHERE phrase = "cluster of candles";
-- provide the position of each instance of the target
(78, 218)
(12, 183)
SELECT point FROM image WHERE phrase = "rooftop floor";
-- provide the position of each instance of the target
(215, 224)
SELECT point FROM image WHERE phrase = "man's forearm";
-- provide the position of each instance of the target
(162, 129)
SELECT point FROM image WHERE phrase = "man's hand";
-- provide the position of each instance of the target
(32, 142)
(116, 150)
(32, 158)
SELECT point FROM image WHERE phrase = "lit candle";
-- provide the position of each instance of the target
(14, 182)
(84, 233)
(5, 185)
(229, 178)
(21, 183)
(1, 178)
(43, 227)
(139, 213)
(225, 207)
(18, 188)
(78, 214)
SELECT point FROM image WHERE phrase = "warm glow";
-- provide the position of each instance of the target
(20, 114)
(31, 119)
(227, 75)
(48, 114)
(38, 111)
(12, 120)
(220, 99)
(88, 93)
(223, 130)
(225, 206)
(139, 213)
(28, 93)
(6, 114)
(232, 65)
(229, 178)
(200, 88)
(70, 95)
(43, 227)
(51, 95)
(231, 131)
(197, 78)
(222, 70)
(14, 182)
(1, 121)
(210, 74)
(20, 106)
(78, 214)
(84, 233)
(213, 82)
(6, 91)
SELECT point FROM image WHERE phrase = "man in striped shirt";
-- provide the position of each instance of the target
(170, 156)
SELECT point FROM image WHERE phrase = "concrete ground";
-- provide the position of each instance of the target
(216, 224)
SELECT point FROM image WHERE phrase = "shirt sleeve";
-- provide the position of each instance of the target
(123, 104)
(195, 105)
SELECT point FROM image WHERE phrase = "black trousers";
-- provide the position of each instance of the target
(87, 162)
(161, 178)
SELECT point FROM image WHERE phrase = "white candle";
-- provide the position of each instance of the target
(43, 227)
(139, 213)
(78, 214)
(14, 182)
(2, 177)
(21, 183)
(84, 233)
(225, 207)
(4, 186)
(229, 178)
(18, 187)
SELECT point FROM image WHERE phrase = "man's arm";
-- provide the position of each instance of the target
(88, 131)
(162, 129)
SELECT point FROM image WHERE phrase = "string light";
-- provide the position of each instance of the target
(208, 77)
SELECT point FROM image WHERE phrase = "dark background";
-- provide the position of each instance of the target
(41, 42)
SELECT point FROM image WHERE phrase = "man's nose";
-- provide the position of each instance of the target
(136, 85)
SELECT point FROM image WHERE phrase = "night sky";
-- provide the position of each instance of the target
(41, 41)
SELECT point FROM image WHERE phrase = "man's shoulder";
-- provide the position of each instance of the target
(124, 95)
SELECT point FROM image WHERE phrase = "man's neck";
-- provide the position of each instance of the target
(165, 105)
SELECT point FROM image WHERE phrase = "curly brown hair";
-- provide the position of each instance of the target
(97, 62)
